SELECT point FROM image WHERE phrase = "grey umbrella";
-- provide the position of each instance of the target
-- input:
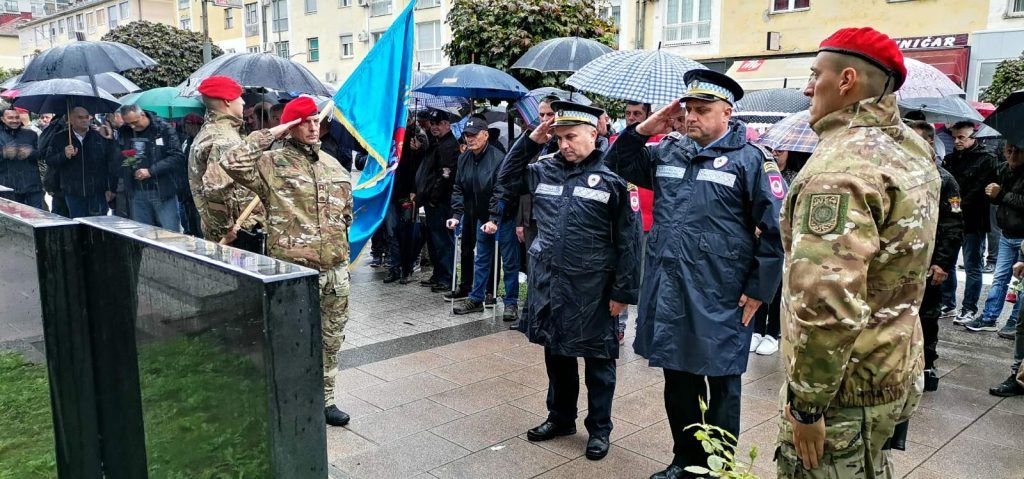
(253, 70)
(564, 54)
(574, 96)
(947, 109)
(773, 102)
(60, 95)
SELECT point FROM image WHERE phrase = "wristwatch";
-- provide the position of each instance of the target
(803, 417)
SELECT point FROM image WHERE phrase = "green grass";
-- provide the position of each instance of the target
(26, 440)
(204, 408)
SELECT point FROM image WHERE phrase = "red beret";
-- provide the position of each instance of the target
(299, 108)
(221, 88)
(870, 45)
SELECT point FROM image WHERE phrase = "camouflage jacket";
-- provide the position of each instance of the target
(858, 229)
(308, 196)
(217, 197)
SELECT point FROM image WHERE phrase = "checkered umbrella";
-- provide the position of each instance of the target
(926, 81)
(777, 102)
(792, 133)
(418, 101)
(645, 76)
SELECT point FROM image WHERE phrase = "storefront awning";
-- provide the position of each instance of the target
(951, 61)
(765, 73)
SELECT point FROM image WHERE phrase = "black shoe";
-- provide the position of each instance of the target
(405, 279)
(673, 472)
(490, 301)
(335, 417)
(549, 430)
(1008, 388)
(437, 288)
(511, 313)
(456, 295)
(377, 262)
(392, 277)
(988, 268)
(597, 448)
(428, 283)
(931, 380)
(468, 306)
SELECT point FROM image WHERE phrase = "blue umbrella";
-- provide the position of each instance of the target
(473, 81)
(643, 76)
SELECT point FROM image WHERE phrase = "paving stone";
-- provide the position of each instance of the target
(643, 408)
(635, 376)
(766, 388)
(355, 407)
(903, 462)
(620, 463)
(654, 442)
(575, 446)
(476, 369)
(921, 473)
(1013, 404)
(970, 457)
(512, 459)
(354, 378)
(953, 399)
(535, 376)
(975, 376)
(406, 420)
(537, 402)
(482, 395)
(402, 459)
(766, 437)
(403, 391)
(343, 443)
(754, 411)
(476, 347)
(487, 428)
(529, 355)
(1000, 427)
(934, 428)
(760, 366)
(404, 366)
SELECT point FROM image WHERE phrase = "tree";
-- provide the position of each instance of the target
(6, 73)
(498, 32)
(177, 52)
(1008, 78)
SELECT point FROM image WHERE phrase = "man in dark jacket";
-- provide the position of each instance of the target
(19, 161)
(973, 167)
(1007, 193)
(584, 265)
(150, 176)
(434, 180)
(82, 166)
(471, 199)
(708, 269)
(404, 235)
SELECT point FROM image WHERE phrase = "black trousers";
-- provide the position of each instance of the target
(564, 391)
(767, 320)
(722, 395)
(931, 309)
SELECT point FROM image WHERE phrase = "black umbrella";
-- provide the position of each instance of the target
(775, 102)
(1008, 118)
(253, 70)
(84, 59)
(60, 95)
(565, 54)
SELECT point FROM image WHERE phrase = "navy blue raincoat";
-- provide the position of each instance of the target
(703, 251)
(587, 250)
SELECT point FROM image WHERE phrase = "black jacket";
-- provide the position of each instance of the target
(1010, 214)
(88, 172)
(474, 184)
(950, 229)
(973, 169)
(157, 149)
(436, 175)
(20, 174)
(405, 174)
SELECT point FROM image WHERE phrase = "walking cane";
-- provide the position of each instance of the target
(455, 261)
(497, 255)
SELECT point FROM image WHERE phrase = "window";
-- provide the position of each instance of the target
(282, 49)
(252, 49)
(313, 49)
(90, 22)
(280, 15)
(428, 43)
(186, 24)
(79, 23)
(101, 17)
(112, 17)
(687, 21)
(310, 6)
(1015, 8)
(380, 7)
(780, 6)
(53, 30)
(60, 27)
(375, 37)
(347, 47)
(126, 13)
(986, 70)
(421, 4)
(182, 4)
(252, 27)
(229, 18)
(344, 3)
(612, 11)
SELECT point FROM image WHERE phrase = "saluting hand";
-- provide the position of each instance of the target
(279, 130)
(750, 306)
(661, 121)
(542, 134)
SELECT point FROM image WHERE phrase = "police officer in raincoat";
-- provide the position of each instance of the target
(713, 255)
(584, 265)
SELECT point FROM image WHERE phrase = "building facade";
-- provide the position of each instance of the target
(225, 23)
(1002, 39)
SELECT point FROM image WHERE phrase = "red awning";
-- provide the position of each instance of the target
(951, 61)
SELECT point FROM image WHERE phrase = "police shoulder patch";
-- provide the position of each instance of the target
(825, 213)
(764, 151)
(771, 167)
(675, 135)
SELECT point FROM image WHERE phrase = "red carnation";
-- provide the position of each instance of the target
(128, 152)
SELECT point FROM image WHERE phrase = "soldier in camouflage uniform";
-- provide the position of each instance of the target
(858, 229)
(218, 198)
(308, 196)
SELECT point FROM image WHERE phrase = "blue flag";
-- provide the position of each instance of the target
(371, 106)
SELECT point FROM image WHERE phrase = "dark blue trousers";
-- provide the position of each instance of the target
(564, 391)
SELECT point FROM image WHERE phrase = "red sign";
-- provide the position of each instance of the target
(935, 41)
(750, 65)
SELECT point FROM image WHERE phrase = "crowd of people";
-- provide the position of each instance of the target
(830, 254)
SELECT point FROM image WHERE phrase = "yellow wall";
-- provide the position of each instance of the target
(224, 37)
(9, 52)
(745, 22)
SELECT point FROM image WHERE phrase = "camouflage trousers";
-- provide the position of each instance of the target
(334, 287)
(853, 440)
